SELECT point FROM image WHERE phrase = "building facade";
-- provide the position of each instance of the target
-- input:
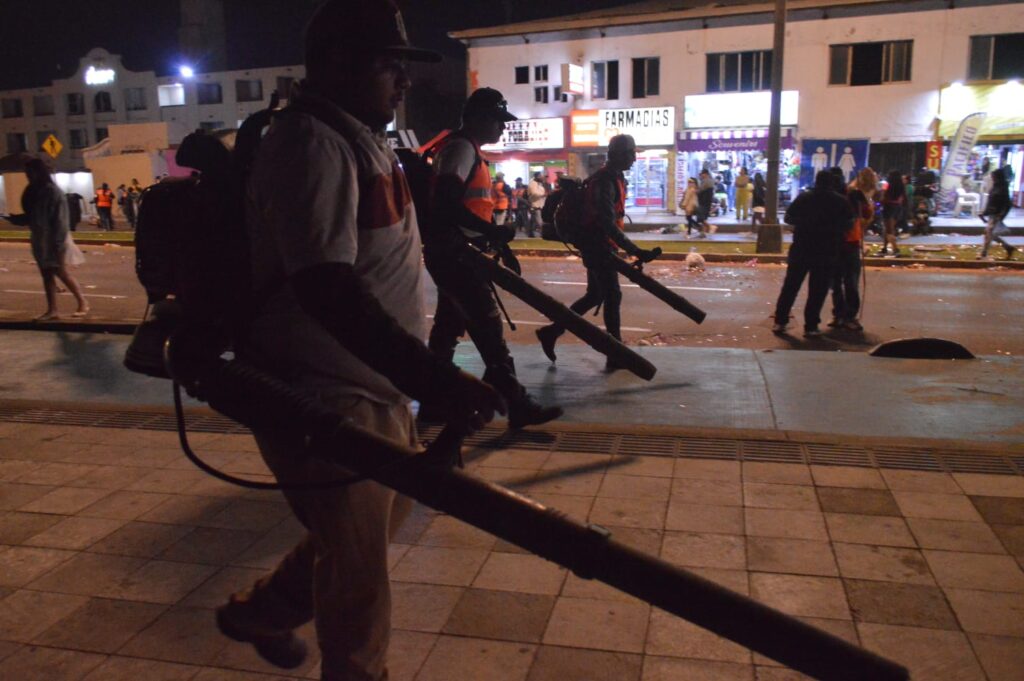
(861, 78)
(78, 111)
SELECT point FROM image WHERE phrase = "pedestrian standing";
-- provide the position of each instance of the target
(705, 199)
(536, 192)
(819, 218)
(501, 195)
(894, 203)
(602, 230)
(688, 204)
(522, 204)
(743, 187)
(846, 280)
(130, 207)
(46, 215)
(75, 205)
(463, 209)
(727, 182)
(334, 238)
(996, 210)
(758, 201)
(104, 201)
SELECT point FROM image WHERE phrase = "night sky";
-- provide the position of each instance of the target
(44, 39)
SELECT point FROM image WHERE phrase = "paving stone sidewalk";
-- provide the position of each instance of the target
(114, 550)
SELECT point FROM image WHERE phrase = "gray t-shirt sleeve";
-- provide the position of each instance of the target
(311, 202)
(456, 158)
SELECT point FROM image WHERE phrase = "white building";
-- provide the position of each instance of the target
(79, 110)
(690, 81)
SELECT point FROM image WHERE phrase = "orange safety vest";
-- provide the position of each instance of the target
(500, 197)
(104, 198)
(477, 197)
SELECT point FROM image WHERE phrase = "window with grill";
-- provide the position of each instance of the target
(171, 95)
(102, 102)
(739, 71)
(870, 63)
(540, 74)
(558, 95)
(540, 94)
(996, 57)
(42, 105)
(604, 80)
(79, 138)
(645, 77)
(11, 108)
(16, 143)
(209, 93)
(284, 86)
(76, 103)
(135, 99)
(249, 90)
(522, 75)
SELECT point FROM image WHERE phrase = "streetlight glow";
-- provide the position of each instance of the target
(186, 71)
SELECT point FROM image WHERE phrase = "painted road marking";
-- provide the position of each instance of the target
(87, 295)
(673, 288)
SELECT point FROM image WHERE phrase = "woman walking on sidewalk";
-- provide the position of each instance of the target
(760, 192)
(998, 207)
(46, 214)
(894, 202)
(742, 185)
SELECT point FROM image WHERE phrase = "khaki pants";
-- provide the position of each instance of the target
(338, 573)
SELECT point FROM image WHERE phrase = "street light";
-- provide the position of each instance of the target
(186, 71)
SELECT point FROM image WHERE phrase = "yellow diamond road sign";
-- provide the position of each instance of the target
(52, 146)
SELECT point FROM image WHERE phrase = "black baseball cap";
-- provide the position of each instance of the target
(361, 26)
(487, 102)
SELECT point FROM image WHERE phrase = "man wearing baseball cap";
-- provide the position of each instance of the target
(462, 210)
(336, 248)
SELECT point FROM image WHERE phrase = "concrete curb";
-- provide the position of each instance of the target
(967, 446)
(71, 326)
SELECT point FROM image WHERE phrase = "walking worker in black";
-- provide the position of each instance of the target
(819, 217)
(462, 209)
(601, 232)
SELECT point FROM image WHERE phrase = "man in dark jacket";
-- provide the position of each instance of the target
(604, 210)
(819, 217)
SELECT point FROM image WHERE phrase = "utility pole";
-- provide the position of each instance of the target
(769, 235)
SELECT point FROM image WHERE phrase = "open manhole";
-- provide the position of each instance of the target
(921, 348)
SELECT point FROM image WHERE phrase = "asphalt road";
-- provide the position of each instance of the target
(981, 309)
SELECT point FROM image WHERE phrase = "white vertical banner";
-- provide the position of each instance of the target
(959, 154)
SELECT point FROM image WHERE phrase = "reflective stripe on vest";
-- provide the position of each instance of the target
(104, 198)
(500, 197)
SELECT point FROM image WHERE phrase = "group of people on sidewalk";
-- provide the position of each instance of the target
(706, 196)
(520, 205)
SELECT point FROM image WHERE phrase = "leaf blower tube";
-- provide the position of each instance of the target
(593, 336)
(658, 290)
(261, 402)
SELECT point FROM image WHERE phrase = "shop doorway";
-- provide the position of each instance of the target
(648, 182)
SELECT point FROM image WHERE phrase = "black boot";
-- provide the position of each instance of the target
(548, 335)
(523, 410)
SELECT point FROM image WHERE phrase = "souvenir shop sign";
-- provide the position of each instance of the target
(531, 133)
(738, 109)
(730, 140)
(650, 127)
(850, 156)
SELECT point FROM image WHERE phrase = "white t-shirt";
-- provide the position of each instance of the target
(318, 197)
(457, 157)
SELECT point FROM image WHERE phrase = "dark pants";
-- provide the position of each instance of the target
(106, 218)
(602, 288)
(465, 303)
(816, 267)
(846, 283)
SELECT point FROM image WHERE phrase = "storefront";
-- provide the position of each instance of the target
(999, 141)
(528, 146)
(651, 180)
(730, 130)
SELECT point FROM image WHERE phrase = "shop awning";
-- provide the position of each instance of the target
(742, 139)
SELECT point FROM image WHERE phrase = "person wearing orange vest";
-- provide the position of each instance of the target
(501, 194)
(104, 201)
(462, 209)
(604, 210)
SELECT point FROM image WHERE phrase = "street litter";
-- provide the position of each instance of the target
(751, 263)
(694, 260)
